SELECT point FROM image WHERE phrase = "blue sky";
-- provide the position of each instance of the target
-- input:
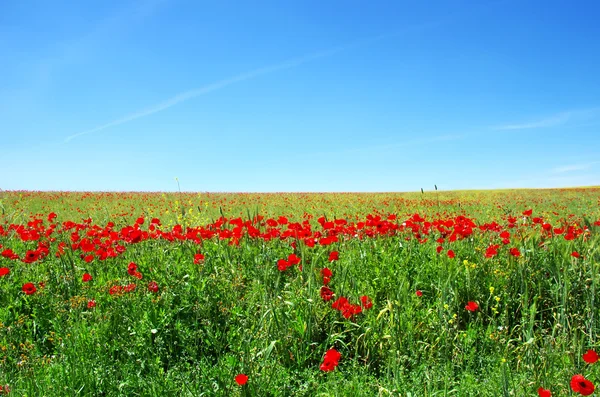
(299, 95)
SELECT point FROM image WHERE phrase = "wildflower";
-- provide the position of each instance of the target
(198, 258)
(91, 304)
(544, 392)
(326, 273)
(86, 277)
(29, 288)
(590, 357)
(241, 379)
(131, 268)
(331, 360)
(472, 306)
(581, 385)
(419, 293)
(334, 256)
(515, 252)
(152, 286)
(451, 254)
(326, 293)
(366, 302)
(576, 254)
(4, 271)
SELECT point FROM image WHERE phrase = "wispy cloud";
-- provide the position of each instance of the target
(187, 95)
(553, 121)
(574, 167)
(558, 119)
(291, 63)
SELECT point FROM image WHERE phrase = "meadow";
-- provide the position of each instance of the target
(472, 293)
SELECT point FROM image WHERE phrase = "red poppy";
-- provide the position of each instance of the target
(198, 258)
(527, 212)
(419, 293)
(472, 306)
(31, 256)
(515, 252)
(152, 286)
(331, 360)
(544, 392)
(29, 288)
(581, 385)
(590, 357)
(115, 290)
(86, 277)
(451, 254)
(241, 379)
(366, 302)
(439, 249)
(334, 256)
(131, 268)
(282, 265)
(91, 304)
(326, 293)
(4, 271)
(576, 254)
(326, 273)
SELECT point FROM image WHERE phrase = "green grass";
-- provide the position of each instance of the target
(235, 312)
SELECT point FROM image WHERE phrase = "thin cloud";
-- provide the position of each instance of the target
(558, 119)
(553, 121)
(187, 95)
(574, 167)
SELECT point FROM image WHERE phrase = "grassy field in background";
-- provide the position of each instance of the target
(473, 293)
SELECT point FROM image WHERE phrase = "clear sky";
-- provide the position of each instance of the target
(235, 95)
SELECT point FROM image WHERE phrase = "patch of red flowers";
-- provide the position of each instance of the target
(331, 360)
(544, 392)
(590, 357)
(326, 293)
(241, 379)
(153, 286)
(581, 385)
(292, 260)
(29, 288)
(326, 273)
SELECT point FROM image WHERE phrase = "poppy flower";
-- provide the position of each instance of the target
(29, 288)
(515, 252)
(241, 379)
(91, 304)
(334, 256)
(576, 254)
(131, 268)
(198, 258)
(581, 385)
(451, 254)
(330, 361)
(366, 302)
(4, 271)
(419, 293)
(86, 277)
(326, 273)
(544, 392)
(152, 286)
(590, 357)
(472, 306)
(326, 293)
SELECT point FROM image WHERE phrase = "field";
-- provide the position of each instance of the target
(475, 293)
